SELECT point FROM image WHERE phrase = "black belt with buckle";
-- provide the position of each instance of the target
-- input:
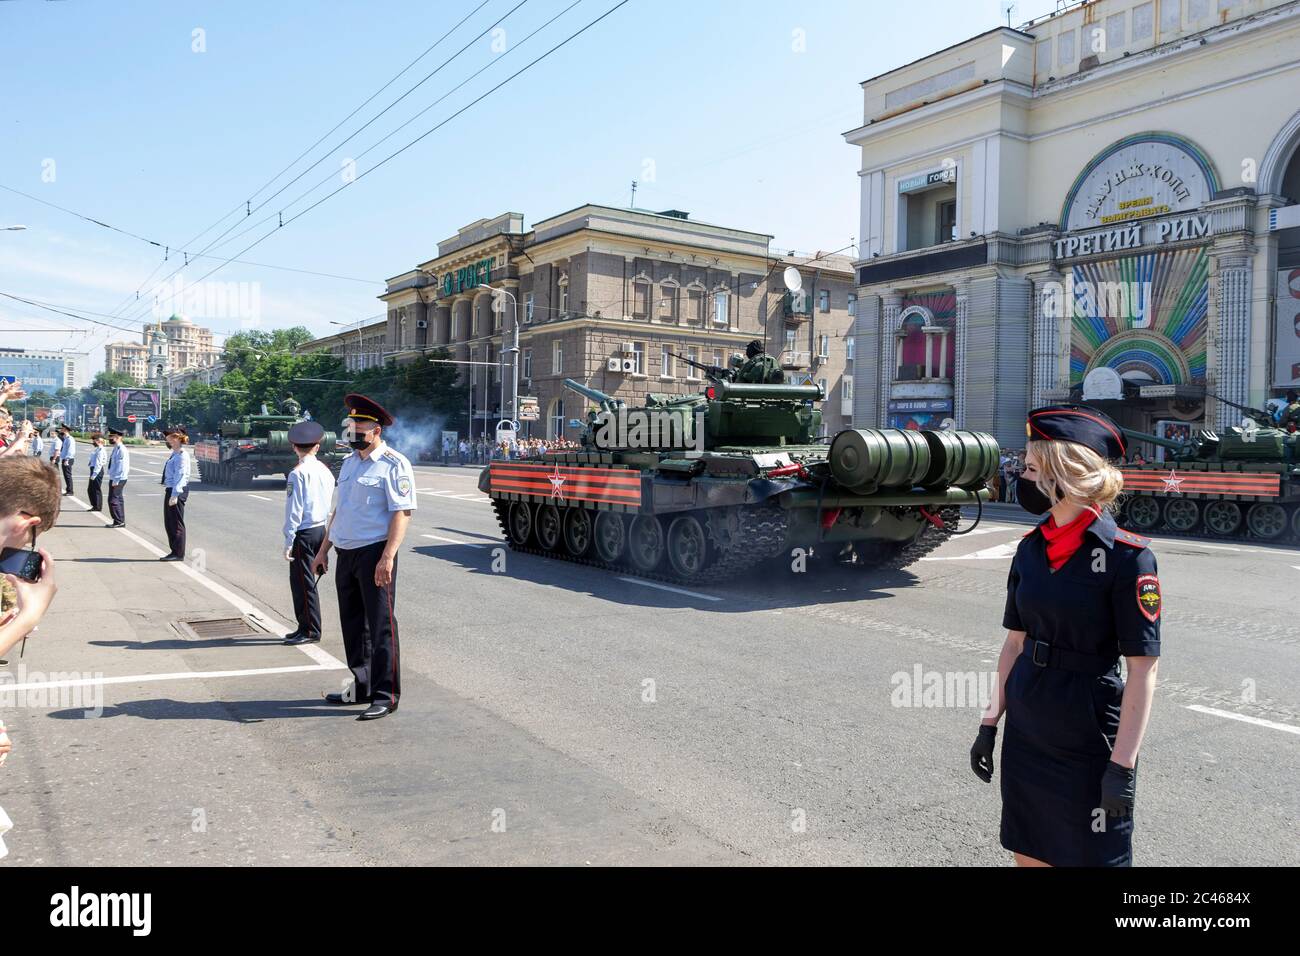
(1042, 654)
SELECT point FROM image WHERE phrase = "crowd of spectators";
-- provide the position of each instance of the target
(481, 450)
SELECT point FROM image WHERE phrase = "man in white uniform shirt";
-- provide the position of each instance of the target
(308, 491)
(376, 496)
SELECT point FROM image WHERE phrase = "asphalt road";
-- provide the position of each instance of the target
(751, 722)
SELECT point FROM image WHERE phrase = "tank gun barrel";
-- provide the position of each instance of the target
(738, 390)
(1258, 414)
(714, 373)
(607, 402)
(1171, 443)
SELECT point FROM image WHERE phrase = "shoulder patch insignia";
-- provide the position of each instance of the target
(404, 485)
(1148, 596)
(1131, 539)
(392, 455)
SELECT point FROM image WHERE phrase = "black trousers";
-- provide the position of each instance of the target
(369, 627)
(95, 492)
(302, 581)
(115, 507)
(67, 464)
(174, 521)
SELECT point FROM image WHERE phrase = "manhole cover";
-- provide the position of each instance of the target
(218, 627)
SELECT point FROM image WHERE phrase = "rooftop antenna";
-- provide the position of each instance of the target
(1009, 8)
(632, 204)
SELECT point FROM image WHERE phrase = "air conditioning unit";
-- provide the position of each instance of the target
(614, 365)
(627, 318)
(629, 365)
(627, 348)
(421, 324)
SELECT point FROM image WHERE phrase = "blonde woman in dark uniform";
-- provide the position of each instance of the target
(1081, 594)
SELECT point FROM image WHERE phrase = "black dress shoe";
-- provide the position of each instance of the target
(118, 524)
(291, 637)
(340, 700)
(171, 557)
(375, 711)
(302, 639)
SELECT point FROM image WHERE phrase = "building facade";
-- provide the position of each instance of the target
(1097, 206)
(362, 344)
(45, 371)
(611, 298)
(177, 344)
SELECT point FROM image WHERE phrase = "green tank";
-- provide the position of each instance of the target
(701, 487)
(1242, 483)
(256, 445)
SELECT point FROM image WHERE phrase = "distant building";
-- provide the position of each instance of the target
(363, 344)
(610, 297)
(43, 370)
(187, 346)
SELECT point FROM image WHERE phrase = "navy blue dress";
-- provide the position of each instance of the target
(1063, 692)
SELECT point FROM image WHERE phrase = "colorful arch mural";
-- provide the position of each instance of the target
(1146, 313)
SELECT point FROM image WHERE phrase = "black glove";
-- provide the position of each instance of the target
(1118, 789)
(981, 754)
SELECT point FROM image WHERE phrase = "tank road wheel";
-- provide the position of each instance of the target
(577, 531)
(1181, 514)
(519, 524)
(1222, 517)
(688, 548)
(1143, 512)
(1266, 520)
(646, 543)
(611, 536)
(549, 526)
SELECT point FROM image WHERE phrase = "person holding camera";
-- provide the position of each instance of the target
(29, 504)
(1081, 593)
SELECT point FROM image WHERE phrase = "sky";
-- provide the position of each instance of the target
(171, 120)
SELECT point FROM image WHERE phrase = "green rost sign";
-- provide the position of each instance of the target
(480, 273)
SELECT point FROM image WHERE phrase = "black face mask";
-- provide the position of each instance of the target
(360, 443)
(1031, 498)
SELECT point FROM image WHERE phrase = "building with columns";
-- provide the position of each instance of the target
(1100, 205)
(610, 297)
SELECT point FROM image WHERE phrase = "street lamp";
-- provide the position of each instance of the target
(514, 400)
(361, 355)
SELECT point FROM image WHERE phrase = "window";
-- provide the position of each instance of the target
(489, 374)
(823, 345)
(638, 358)
(1142, 22)
(473, 369)
(1171, 17)
(668, 303)
(640, 299)
(1115, 38)
(720, 308)
(526, 371)
(789, 340)
(824, 300)
(564, 293)
(1065, 48)
(695, 306)
(846, 388)
(557, 422)
(848, 347)
(853, 303)
(557, 357)
(692, 373)
(946, 225)
(528, 307)
(717, 358)
(666, 362)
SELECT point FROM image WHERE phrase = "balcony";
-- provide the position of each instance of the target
(796, 308)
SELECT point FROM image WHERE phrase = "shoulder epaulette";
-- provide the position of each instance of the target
(392, 455)
(1131, 539)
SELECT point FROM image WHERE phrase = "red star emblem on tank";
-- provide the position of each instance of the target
(1172, 483)
(557, 483)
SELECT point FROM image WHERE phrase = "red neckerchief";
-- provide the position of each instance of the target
(1063, 541)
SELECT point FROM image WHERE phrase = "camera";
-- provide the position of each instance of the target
(21, 563)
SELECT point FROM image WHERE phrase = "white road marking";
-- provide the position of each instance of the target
(150, 494)
(997, 552)
(7, 688)
(467, 544)
(259, 497)
(322, 657)
(156, 474)
(1258, 721)
(470, 497)
(665, 587)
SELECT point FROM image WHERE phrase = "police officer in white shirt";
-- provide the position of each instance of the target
(38, 444)
(98, 459)
(376, 498)
(176, 481)
(308, 491)
(119, 469)
(67, 456)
